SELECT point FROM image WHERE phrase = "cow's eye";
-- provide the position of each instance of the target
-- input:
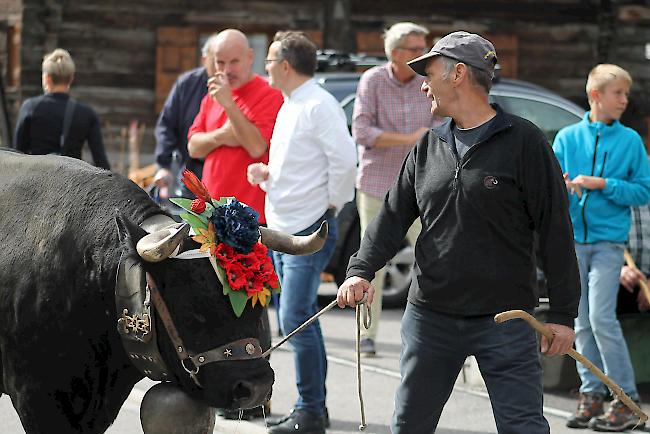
(200, 318)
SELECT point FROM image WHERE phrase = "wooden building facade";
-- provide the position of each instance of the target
(128, 53)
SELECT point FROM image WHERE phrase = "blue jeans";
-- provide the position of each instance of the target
(598, 333)
(300, 278)
(434, 348)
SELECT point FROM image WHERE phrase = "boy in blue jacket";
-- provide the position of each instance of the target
(606, 171)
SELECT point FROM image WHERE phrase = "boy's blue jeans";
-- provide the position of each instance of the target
(598, 333)
(434, 348)
(300, 278)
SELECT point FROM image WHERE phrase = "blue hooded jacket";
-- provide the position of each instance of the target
(616, 153)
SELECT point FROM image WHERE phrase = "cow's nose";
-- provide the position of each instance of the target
(249, 395)
(242, 391)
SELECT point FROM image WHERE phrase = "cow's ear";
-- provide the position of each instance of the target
(128, 232)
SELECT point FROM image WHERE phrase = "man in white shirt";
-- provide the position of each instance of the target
(310, 176)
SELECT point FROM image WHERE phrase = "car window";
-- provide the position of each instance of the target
(549, 118)
(340, 89)
(347, 104)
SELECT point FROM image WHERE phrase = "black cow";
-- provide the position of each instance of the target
(64, 225)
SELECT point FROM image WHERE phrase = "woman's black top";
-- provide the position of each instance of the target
(40, 124)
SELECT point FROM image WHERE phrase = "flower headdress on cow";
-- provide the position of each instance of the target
(228, 232)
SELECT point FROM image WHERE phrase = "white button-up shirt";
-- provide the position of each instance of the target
(312, 160)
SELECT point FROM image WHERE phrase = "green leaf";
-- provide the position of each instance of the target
(195, 221)
(186, 204)
(209, 209)
(221, 274)
(221, 201)
(238, 301)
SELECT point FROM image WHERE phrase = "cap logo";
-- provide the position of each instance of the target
(490, 53)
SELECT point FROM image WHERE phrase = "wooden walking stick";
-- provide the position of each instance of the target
(615, 388)
(630, 263)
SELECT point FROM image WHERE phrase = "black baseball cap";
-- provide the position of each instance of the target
(465, 47)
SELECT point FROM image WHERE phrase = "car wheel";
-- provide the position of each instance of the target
(398, 278)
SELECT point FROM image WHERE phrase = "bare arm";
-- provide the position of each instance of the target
(245, 132)
(365, 127)
(201, 144)
(388, 139)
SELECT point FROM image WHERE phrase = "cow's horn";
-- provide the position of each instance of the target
(159, 245)
(293, 244)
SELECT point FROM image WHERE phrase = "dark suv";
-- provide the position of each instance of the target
(549, 111)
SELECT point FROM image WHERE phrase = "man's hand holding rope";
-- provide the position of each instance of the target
(352, 290)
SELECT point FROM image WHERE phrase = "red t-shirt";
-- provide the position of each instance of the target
(224, 171)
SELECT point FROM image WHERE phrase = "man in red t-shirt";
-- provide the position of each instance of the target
(235, 122)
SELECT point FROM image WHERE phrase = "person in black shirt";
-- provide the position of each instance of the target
(484, 184)
(40, 126)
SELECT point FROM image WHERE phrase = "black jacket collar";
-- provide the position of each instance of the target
(445, 131)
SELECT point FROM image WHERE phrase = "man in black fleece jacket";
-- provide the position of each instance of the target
(483, 184)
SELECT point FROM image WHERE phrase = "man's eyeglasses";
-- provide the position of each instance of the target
(414, 50)
(267, 61)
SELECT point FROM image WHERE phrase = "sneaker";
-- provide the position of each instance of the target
(298, 421)
(589, 407)
(273, 422)
(618, 418)
(367, 347)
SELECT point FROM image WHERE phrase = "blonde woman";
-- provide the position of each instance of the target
(54, 123)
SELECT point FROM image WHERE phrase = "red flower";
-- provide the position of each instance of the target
(195, 186)
(260, 249)
(224, 254)
(251, 271)
(198, 206)
(236, 276)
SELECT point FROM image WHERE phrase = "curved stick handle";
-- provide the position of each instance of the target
(630, 263)
(615, 388)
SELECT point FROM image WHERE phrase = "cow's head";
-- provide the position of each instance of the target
(202, 314)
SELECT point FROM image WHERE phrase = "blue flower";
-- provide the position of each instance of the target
(236, 225)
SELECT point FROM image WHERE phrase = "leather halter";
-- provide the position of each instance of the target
(136, 326)
(242, 349)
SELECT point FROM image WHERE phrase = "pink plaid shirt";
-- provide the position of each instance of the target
(383, 103)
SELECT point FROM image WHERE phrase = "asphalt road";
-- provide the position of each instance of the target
(467, 412)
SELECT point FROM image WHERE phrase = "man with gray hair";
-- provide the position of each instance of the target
(175, 120)
(485, 185)
(390, 115)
